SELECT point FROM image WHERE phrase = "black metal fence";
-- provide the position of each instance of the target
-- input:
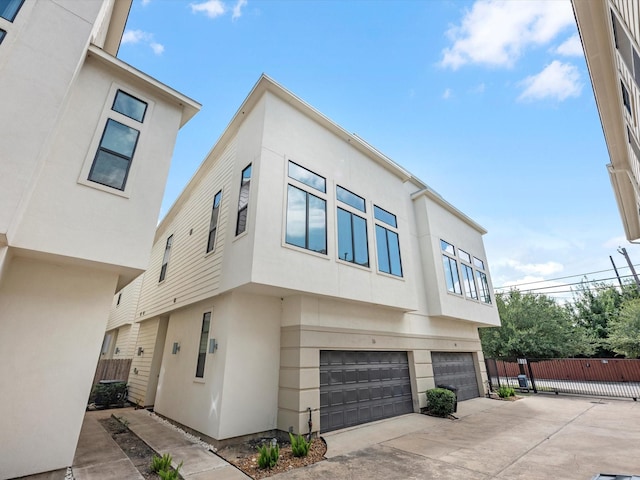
(610, 377)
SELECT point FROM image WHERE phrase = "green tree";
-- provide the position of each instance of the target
(596, 305)
(624, 330)
(534, 326)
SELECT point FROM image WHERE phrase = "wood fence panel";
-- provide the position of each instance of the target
(114, 369)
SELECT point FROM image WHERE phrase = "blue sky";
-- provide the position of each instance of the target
(488, 102)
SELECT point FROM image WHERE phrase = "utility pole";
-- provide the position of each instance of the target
(623, 251)
(616, 270)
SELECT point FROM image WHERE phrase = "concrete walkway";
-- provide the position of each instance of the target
(98, 457)
(536, 438)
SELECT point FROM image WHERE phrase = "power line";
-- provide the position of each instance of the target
(575, 283)
(562, 278)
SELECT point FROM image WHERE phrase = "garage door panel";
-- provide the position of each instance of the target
(379, 387)
(457, 369)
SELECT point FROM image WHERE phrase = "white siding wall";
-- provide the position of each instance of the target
(141, 364)
(125, 312)
(630, 12)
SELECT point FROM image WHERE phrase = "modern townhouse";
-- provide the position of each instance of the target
(302, 273)
(85, 147)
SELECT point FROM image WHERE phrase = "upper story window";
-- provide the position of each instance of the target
(451, 274)
(213, 225)
(113, 160)
(243, 200)
(202, 346)
(306, 212)
(119, 298)
(165, 259)
(3, 33)
(130, 106)
(483, 284)
(387, 242)
(352, 229)
(626, 101)
(467, 275)
(625, 47)
(10, 8)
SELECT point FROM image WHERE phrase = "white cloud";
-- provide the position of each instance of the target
(542, 269)
(495, 33)
(157, 48)
(211, 8)
(479, 88)
(447, 94)
(572, 47)
(237, 9)
(615, 242)
(137, 36)
(145, 2)
(557, 81)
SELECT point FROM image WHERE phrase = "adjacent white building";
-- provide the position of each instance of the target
(301, 270)
(85, 147)
(610, 32)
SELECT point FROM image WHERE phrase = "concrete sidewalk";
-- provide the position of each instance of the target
(98, 457)
(537, 438)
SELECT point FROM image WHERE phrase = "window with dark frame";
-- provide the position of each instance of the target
(129, 106)
(113, 160)
(353, 245)
(213, 224)
(3, 33)
(451, 274)
(243, 200)
(119, 298)
(387, 242)
(626, 101)
(202, 346)
(165, 259)
(10, 8)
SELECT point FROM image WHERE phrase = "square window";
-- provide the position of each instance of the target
(130, 106)
(10, 8)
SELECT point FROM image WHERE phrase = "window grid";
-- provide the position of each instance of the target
(352, 238)
(388, 243)
(474, 280)
(243, 200)
(165, 259)
(306, 224)
(202, 346)
(213, 224)
(112, 162)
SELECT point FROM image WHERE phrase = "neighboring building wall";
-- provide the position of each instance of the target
(48, 359)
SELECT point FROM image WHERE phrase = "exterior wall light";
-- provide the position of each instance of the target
(213, 345)
(176, 348)
(140, 351)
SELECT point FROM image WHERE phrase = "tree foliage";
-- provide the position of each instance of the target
(624, 330)
(535, 326)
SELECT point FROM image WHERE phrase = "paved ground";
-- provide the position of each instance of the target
(541, 437)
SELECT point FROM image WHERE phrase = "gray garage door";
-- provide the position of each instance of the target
(457, 369)
(360, 387)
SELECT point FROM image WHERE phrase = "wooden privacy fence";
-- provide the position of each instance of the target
(114, 369)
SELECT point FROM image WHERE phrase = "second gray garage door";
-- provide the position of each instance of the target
(456, 369)
(360, 387)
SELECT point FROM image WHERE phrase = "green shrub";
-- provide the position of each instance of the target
(299, 446)
(105, 394)
(161, 463)
(170, 474)
(268, 456)
(505, 392)
(440, 401)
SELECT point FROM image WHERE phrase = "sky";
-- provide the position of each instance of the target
(488, 102)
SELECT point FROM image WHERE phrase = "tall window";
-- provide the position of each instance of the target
(388, 243)
(202, 348)
(10, 8)
(118, 144)
(165, 259)
(352, 229)
(213, 225)
(2, 35)
(481, 277)
(306, 212)
(450, 267)
(243, 200)
(467, 275)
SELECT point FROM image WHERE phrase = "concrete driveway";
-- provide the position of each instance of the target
(537, 438)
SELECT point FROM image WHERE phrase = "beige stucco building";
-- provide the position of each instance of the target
(610, 33)
(301, 270)
(85, 147)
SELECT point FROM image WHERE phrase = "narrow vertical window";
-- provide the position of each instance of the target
(306, 212)
(625, 97)
(483, 283)
(352, 238)
(165, 259)
(202, 346)
(2, 35)
(119, 298)
(388, 243)
(213, 225)
(10, 8)
(451, 275)
(243, 200)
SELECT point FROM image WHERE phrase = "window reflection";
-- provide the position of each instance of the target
(306, 220)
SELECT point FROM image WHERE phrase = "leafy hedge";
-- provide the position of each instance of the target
(440, 401)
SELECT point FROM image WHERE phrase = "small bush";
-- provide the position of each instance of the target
(440, 401)
(161, 463)
(268, 456)
(105, 394)
(299, 446)
(506, 392)
(170, 474)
